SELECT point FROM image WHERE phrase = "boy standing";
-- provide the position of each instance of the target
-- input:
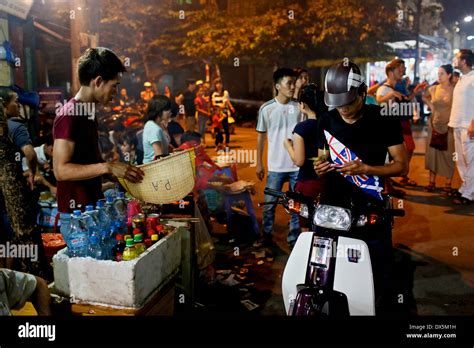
(78, 165)
(276, 120)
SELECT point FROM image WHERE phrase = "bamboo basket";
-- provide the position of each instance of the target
(166, 180)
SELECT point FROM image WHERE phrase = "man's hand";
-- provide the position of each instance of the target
(421, 86)
(322, 167)
(260, 172)
(396, 94)
(353, 168)
(126, 171)
(31, 180)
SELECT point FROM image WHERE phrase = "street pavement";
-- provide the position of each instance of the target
(434, 242)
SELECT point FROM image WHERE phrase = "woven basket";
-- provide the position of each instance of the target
(166, 180)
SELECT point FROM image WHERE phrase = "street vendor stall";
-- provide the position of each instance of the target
(147, 284)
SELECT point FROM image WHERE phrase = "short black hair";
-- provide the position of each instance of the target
(99, 61)
(157, 105)
(7, 94)
(308, 96)
(130, 138)
(280, 73)
(190, 82)
(467, 55)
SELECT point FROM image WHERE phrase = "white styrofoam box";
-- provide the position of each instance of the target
(125, 283)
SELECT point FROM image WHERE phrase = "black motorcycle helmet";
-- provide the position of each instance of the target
(343, 83)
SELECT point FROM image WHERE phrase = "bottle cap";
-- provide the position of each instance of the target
(154, 237)
(119, 236)
(148, 242)
(160, 228)
(99, 204)
(136, 231)
(93, 239)
(129, 242)
(109, 199)
(89, 208)
(77, 212)
(121, 195)
(150, 233)
(138, 238)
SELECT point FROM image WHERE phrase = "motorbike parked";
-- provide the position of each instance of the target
(329, 271)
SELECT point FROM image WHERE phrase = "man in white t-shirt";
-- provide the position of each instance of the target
(276, 120)
(462, 120)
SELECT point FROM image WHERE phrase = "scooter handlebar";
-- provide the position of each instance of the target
(274, 193)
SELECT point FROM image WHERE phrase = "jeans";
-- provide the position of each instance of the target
(225, 124)
(202, 122)
(275, 181)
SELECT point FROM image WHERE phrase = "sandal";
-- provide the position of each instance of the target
(430, 188)
(448, 191)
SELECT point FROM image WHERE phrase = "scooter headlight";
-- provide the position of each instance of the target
(336, 218)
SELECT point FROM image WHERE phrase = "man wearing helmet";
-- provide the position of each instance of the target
(371, 137)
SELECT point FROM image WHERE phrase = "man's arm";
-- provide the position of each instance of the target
(261, 139)
(390, 95)
(64, 170)
(31, 159)
(32, 162)
(398, 166)
(202, 111)
(41, 298)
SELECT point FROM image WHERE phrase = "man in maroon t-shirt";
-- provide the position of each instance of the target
(78, 165)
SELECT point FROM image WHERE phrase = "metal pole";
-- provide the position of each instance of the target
(417, 31)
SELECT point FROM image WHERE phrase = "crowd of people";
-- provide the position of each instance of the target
(299, 132)
(289, 123)
(80, 159)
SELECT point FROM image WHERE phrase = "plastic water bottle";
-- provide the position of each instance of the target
(104, 221)
(78, 240)
(110, 209)
(120, 205)
(108, 241)
(95, 249)
(92, 219)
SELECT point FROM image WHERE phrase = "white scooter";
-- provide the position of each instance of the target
(329, 272)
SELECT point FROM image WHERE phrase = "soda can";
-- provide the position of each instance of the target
(138, 221)
(152, 220)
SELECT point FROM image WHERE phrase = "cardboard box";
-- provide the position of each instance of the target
(125, 283)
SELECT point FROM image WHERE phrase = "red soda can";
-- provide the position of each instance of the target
(152, 220)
